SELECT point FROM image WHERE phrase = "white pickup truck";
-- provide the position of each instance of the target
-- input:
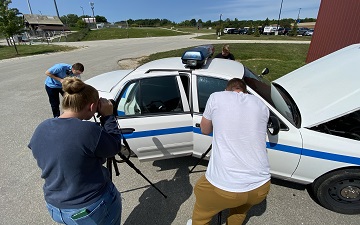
(269, 30)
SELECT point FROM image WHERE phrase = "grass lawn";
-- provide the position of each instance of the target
(7, 52)
(118, 33)
(279, 58)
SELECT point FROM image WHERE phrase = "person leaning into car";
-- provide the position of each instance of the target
(71, 152)
(55, 76)
(225, 53)
(238, 173)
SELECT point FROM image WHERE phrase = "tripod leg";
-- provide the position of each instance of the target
(219, 218)
(201, 158)
(109, 166)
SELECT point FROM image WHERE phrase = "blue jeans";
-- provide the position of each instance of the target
(54, 99)
(106, 211)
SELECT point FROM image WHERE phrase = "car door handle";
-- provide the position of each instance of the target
(127, 130)
(197, 124)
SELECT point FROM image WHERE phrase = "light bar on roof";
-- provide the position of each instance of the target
(197, 57)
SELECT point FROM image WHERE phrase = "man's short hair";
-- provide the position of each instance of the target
(78, 66)
(236, 84)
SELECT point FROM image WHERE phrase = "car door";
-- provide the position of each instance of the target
(284, 149)
(202, 88)
(157, 107)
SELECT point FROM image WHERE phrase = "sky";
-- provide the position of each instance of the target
(174, 10)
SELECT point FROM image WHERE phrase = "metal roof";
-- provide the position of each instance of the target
(40, 19)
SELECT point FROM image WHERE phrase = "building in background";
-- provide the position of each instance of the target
(37, 22)
(337, 26)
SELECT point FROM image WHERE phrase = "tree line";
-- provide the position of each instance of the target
(72, 20)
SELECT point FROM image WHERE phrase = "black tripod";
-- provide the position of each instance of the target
(201, 158)
(112, 161)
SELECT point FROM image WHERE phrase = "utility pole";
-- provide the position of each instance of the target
(277, 27)
(29, 7)
(57, 11)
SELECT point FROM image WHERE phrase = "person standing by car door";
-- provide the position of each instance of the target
(78, 188)
(238, 174)
(55, 76)
(225, 53)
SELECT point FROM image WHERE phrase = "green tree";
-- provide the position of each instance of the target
(293, 31)
(257, 32)
(250, 30)
(100, 19)
(10, 22)
(70, 20)
(193, 22)
(81, 24)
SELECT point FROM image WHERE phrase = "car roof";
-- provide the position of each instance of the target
(221, 67)
(215, 67)
(327, 88)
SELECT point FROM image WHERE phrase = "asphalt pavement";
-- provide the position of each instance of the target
(24, 105)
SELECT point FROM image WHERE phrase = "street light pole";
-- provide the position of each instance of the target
(298, 19)
(82, 10)
(277, 27)
(220, 25)
(92, 8)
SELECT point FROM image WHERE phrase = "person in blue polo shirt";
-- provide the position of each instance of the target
(55, 76)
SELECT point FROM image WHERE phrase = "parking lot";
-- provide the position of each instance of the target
(24, 105)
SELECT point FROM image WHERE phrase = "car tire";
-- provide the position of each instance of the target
(339, 191)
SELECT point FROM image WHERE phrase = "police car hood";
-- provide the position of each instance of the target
(105, 82)
(327, 88)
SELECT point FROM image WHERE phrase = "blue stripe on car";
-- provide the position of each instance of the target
(148, 133)
(269, 145)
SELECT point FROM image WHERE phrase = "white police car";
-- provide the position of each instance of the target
(315, 110)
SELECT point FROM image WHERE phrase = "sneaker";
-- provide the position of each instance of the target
(189, 222)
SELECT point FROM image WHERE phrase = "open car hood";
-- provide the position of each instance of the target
(327, 88)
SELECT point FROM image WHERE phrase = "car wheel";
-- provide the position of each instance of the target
(339, 191)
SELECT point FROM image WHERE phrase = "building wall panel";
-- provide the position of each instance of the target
(337, 26)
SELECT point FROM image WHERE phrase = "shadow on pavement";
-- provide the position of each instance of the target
(153, 207)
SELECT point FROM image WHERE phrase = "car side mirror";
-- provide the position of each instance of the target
(265, 71)
(273, 125)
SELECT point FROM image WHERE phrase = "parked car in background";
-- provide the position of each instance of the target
(314, 127)
(261, 30)
(284, 30)
(242, 31)
(233, 31)
(301, 30)
(309, 32)
(226, 30)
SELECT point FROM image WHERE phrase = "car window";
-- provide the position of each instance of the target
(347, 126)
(206, 86)
(150, 95)
(274, 95)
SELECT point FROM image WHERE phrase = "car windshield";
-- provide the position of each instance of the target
(274, 95)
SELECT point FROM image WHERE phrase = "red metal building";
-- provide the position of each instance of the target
(337, 26)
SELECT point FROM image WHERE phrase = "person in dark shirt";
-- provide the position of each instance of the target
(71, 152)
(225, 53)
